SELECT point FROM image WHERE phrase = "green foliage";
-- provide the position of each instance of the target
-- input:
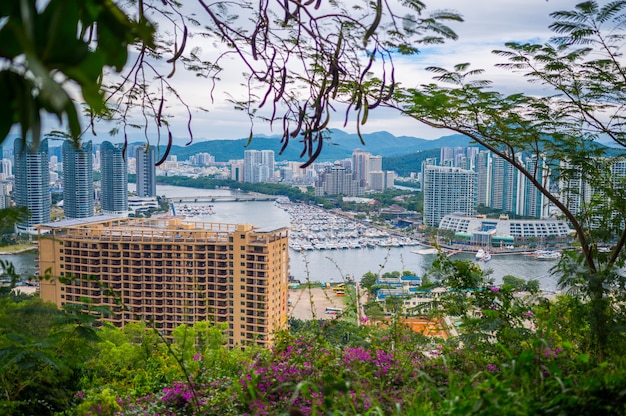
(8, 218)
(42, 48)
(515, 283)
(41, 352)
(582, 64)
(368, 280)
(412, 162)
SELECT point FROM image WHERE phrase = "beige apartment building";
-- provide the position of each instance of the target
(170, 272)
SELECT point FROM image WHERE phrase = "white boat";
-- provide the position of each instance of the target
(295, 246)
(480, 254)
(547, 255)
(486, 257)
(425, 251)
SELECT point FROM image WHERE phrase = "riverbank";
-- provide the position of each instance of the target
(17, 249)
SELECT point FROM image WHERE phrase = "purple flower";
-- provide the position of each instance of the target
(492, 368)
(528, 314)
(494, 288)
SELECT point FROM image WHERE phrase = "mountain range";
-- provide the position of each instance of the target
(339, 145)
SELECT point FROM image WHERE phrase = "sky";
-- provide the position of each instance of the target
(488, 25)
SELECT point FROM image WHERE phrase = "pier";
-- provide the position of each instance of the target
(253, 196)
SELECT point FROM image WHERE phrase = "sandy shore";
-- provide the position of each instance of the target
(307, 304)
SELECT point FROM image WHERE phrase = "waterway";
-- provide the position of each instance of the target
(334, 265)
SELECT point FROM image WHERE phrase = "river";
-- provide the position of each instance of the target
(333, 265)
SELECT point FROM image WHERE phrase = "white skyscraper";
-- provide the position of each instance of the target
(504, 185)
(447, 190)
(531, 202)
(258, 166)
(337, 180)
(483, 170)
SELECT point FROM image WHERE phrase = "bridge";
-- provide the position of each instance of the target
(222, 198)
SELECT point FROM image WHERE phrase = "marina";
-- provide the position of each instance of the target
(332, 265)
(313, 228)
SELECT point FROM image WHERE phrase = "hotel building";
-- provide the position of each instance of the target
(170, 272)
(490, 232)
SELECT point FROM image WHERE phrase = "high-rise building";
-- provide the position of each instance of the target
(6, 168)
(575, 190)
(390, 178)
(376, 181)
(32, 183)
(113, 179)
(483, 183)
(145, 158)
(375, 163)
(258, 166)
(446, 156)
(504, 185)
(267, 159)
(360, 166)
(236, 170)
(78, 194)
(171, 272)
(5, 192)
(531, 202)
(447, 190)
(202, 159)
(337, 180)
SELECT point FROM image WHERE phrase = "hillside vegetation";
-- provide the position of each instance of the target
(516, 353)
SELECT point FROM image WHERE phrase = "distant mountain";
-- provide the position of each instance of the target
(339, 145)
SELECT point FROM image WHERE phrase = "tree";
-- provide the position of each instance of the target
(582, 66)
(45, 52)
(286, 48)
(516, 284)
(42, 349)
(368, 280)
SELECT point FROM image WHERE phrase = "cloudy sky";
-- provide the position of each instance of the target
(488, 25)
